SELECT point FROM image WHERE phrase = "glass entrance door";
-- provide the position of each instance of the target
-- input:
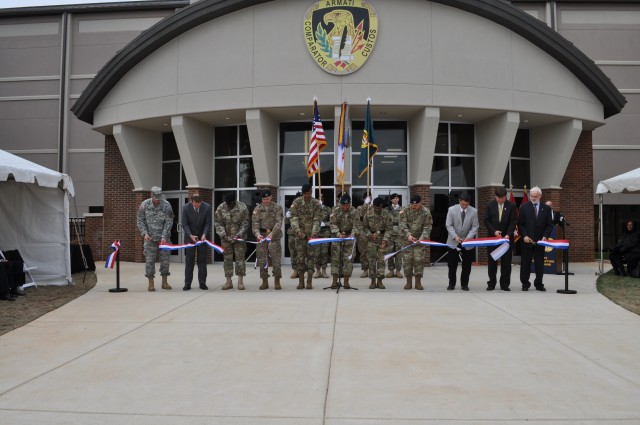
(177, 200)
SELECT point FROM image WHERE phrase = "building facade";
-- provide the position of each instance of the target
(216, 97)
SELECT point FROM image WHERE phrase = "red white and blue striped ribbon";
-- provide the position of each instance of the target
(318, 241)
(556, 244)
(265, 240)
(494, 241)
(424, 242)
(171, 247)
(111, 259)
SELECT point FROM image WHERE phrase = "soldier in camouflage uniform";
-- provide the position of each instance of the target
(322, 250)
(232, 222)
(344, 223)
(305, 221)
(415, 224)
(397, 241)
(154, 219)
(376, 227)
(291, 240)
(362, 240)
(267, 223)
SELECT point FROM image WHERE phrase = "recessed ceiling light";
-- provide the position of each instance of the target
(165, 124)
(302, 114)
(227, 118)
(460, 115)
(526, 121)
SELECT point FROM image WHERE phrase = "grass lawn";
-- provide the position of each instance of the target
(624, 291)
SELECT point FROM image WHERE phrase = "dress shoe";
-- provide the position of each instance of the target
(465, 288)
(7, 297)
(17, 291)
(186, 287)
(491, 286)
(505, 288)
(204, 287)
(541, 288)
(451, 287)
(525, 288)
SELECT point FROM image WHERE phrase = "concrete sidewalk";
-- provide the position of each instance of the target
(367, 357)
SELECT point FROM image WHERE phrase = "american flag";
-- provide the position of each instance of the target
(318, 142)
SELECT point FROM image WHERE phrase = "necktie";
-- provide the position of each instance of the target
(197, 210)
(536, 205)
(499, 213)
(463, 213)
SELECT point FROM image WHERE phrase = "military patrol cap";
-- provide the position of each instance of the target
(156, 192)
(394, 195)
(266, 193)
(378, 202)
(345, 200)
(298, 193)
(306, 188)
(416, 199)
(229, 197)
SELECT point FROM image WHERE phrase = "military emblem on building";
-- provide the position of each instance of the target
(340, 34)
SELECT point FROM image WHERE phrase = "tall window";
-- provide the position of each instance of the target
(518, 173)
(173, 177)
(453, 172)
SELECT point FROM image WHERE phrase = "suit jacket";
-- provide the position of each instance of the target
(508, 223)
(468, 230)
(535, 227)
(196, 224)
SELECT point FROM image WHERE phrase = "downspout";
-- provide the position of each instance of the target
(63, 104)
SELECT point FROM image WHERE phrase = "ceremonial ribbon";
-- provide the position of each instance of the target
(494, 241)
(318, 241)
(424, 242)
(111, 259)
(265, 240)
(556, 244)
(171, 247)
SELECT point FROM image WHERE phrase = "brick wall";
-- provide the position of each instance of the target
(94, 236)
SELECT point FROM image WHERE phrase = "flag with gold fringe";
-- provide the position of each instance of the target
(368, 147)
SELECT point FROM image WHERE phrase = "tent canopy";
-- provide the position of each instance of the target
(628, 182)
(34, 217)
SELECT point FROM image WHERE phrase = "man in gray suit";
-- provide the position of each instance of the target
(196, 223)
(462, 224)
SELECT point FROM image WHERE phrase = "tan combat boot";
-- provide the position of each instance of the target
(294, 275)
(390, 274)
(365, 273)
(300, 281)
(151, 285)
(165, 284)
(324, 273)
(346, 283)
(409, 284)
(419, 283)
(399, 274)
(228, 285)
(373, 283)
(334, 284)
(265, 284)
(240, 283)
(318, 274)
(277, 284)
(379, 284)
(309, 280)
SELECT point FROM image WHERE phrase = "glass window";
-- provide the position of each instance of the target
(521, 144)
(245, 145)
(520, 173)
(463, 171)
(440, 171)
(442, 140)
(171, 175)
(295, 137)
(390, 136)
(169, 148)
(293, 170)
(505, 180)
(226, 141)
(390, 170)
(462, 139)
(226, 173)
(247, 174)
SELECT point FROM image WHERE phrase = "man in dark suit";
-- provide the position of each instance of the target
(535, 224)
(196, 223)
(500, 219)
(461, 224)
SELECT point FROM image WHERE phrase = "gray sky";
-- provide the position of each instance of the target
(29, 3)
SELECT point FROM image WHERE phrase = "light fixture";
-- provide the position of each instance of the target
(302, 114)
(227, 118)
(165, 124)
(525, 121)
(460, 115)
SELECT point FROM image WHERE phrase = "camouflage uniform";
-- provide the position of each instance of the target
(291, 242)
(376, 228)
(322, 253)
(362, 241)
(396, 242)
(417, 224)
(346, 223)
(233, 223)
(155, 221)
(305, 219)
(267, 221)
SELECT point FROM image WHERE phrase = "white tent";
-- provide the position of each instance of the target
(34, 217)
(628, 182)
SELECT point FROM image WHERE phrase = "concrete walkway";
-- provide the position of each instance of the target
(368, 357)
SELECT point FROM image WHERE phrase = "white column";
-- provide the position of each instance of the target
(263, 136)
(495, 137)
(423, 132)
(195, 145)
(551, 150)
(142, 154)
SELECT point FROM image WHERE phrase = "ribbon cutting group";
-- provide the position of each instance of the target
(386, 236)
